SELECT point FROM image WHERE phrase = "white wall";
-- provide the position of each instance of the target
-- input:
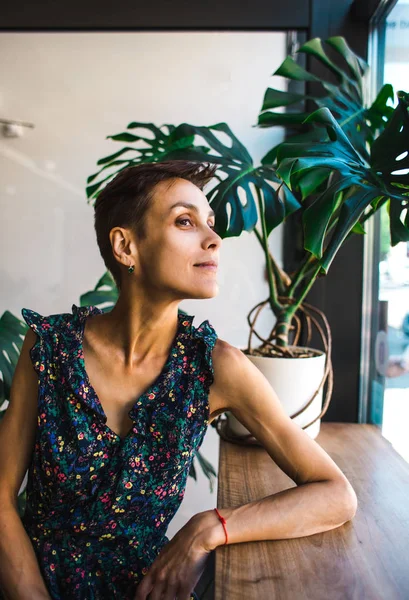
(77, 88)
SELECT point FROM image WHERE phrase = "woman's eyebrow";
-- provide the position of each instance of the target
(191, 206)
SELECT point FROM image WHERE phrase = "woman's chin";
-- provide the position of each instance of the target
(203, 292)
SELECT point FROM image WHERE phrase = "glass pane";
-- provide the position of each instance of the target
(394, 262)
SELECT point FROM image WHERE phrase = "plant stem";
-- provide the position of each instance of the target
(274, 303)
(285, 318)
(281, 278)
(307, 287)
(301, 273)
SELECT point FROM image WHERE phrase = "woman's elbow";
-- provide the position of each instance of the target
(348, 501)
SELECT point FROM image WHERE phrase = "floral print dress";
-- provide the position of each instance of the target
(98, 505)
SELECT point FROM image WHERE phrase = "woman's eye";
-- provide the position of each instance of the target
(182, 220)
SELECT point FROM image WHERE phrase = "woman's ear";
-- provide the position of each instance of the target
(123, 246)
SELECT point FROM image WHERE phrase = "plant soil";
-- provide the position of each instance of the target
(288, 352)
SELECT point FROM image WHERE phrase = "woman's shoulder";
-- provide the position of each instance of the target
(232, 368)
(227, 355)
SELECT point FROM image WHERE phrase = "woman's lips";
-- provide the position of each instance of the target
(208, 266)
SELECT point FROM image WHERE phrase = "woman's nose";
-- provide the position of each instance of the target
(213, 240)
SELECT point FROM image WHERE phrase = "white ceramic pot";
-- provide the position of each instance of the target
(295, 381)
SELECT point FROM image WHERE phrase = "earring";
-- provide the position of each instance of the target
(131, 269)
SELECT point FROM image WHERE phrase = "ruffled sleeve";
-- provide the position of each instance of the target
(41, 352)
(208, 336)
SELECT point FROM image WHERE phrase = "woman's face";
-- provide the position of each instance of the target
(179, 236)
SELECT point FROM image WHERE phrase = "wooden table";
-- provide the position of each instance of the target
(366, 558)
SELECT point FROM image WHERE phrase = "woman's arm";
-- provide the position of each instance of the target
(20, 576)
(323, 499)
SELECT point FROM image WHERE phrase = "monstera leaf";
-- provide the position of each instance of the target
(357, 188)
(12, 332)
(151, 144)
(344, 98)
(206, 467)
(235, 195)
(105, 292)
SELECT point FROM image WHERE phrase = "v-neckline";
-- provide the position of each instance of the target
(86, 312)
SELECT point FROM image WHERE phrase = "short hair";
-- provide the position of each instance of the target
(125, 200)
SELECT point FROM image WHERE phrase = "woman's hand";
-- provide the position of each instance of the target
(178, 567)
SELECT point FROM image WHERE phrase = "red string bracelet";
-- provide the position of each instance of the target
(223, 522)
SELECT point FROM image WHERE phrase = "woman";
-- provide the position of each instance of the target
(124, 399)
